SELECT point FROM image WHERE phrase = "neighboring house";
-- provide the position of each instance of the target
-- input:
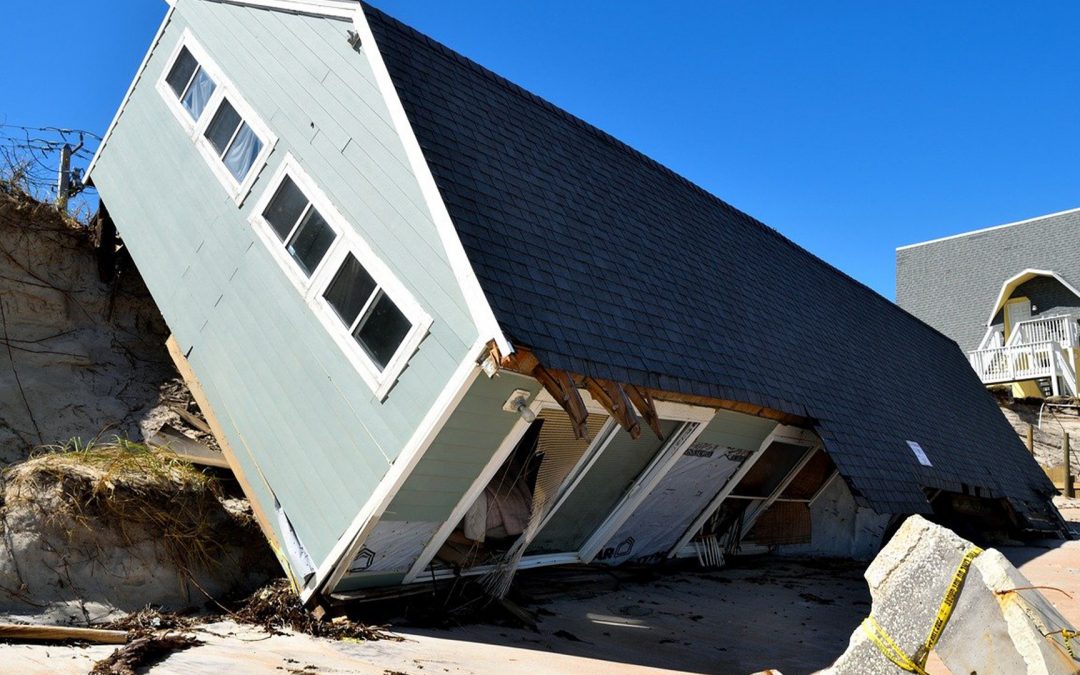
(441, 326)
(1009, 297)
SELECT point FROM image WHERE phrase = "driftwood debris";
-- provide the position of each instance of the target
(142, 652)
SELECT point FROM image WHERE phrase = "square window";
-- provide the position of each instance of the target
(243, 152)
(180, 75)
(223, 127)
(382, 331)
(198, 94)
(235, 142)
(285, 209)
(350, 290)
(190, 83)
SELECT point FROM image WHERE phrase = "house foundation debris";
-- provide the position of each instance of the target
(933, 590)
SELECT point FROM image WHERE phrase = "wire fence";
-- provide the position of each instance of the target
(30, 160)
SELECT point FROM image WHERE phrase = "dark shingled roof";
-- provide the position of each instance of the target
(606, 263)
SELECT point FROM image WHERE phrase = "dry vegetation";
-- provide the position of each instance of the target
(133, 490)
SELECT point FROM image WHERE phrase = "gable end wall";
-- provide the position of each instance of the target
(289, 399)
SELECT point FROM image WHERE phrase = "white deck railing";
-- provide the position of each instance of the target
(1059, 329)
(1021, 362)
(1016, 363)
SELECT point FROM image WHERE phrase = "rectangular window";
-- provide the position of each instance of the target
(368, 313)
(225, 129)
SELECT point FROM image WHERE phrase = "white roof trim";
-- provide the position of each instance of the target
(339, 9)
(131, 88)
(989, 229)
(1012, 282)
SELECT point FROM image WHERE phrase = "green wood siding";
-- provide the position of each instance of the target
(287, 396)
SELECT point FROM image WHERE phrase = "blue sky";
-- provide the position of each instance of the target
(851, 127)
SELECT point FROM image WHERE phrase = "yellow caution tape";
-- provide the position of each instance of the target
(890, 649)
(894, 653)
(949, 601)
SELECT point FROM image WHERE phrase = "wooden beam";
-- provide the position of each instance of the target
(184, 368)
(10, 631)
(610, 395)
(171, 440)
(523, 361)
(564, 390)
(646, 407)
(735, 406)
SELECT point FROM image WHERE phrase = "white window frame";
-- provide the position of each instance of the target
(224, 89)
(347, 241)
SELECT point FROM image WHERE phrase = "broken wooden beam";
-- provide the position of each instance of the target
(192, 419)
(564, 390)
(10, 631)
(523, 361)
(646, 407)
(611, 395)
(187, 449)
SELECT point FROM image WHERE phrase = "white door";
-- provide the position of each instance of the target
(1016, 310)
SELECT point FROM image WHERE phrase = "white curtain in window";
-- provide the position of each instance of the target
(198, 94)
(242, 152)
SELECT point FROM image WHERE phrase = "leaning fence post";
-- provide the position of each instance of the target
(1031, 439)
(1069, 492)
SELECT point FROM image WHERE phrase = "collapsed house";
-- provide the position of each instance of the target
(442, 327)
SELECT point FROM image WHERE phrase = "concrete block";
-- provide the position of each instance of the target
(993, 629)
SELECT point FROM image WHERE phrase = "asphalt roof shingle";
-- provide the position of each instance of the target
(608, 264)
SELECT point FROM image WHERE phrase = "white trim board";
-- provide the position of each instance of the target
(479, 307)
(989, 229)
(334, 9)
(643, 486)
(336, 565)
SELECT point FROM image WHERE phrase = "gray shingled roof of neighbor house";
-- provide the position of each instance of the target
(607, 264)
(953, 283)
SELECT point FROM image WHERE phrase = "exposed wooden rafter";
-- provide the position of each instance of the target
(646, 407)
(564, 389)
(611, 395)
